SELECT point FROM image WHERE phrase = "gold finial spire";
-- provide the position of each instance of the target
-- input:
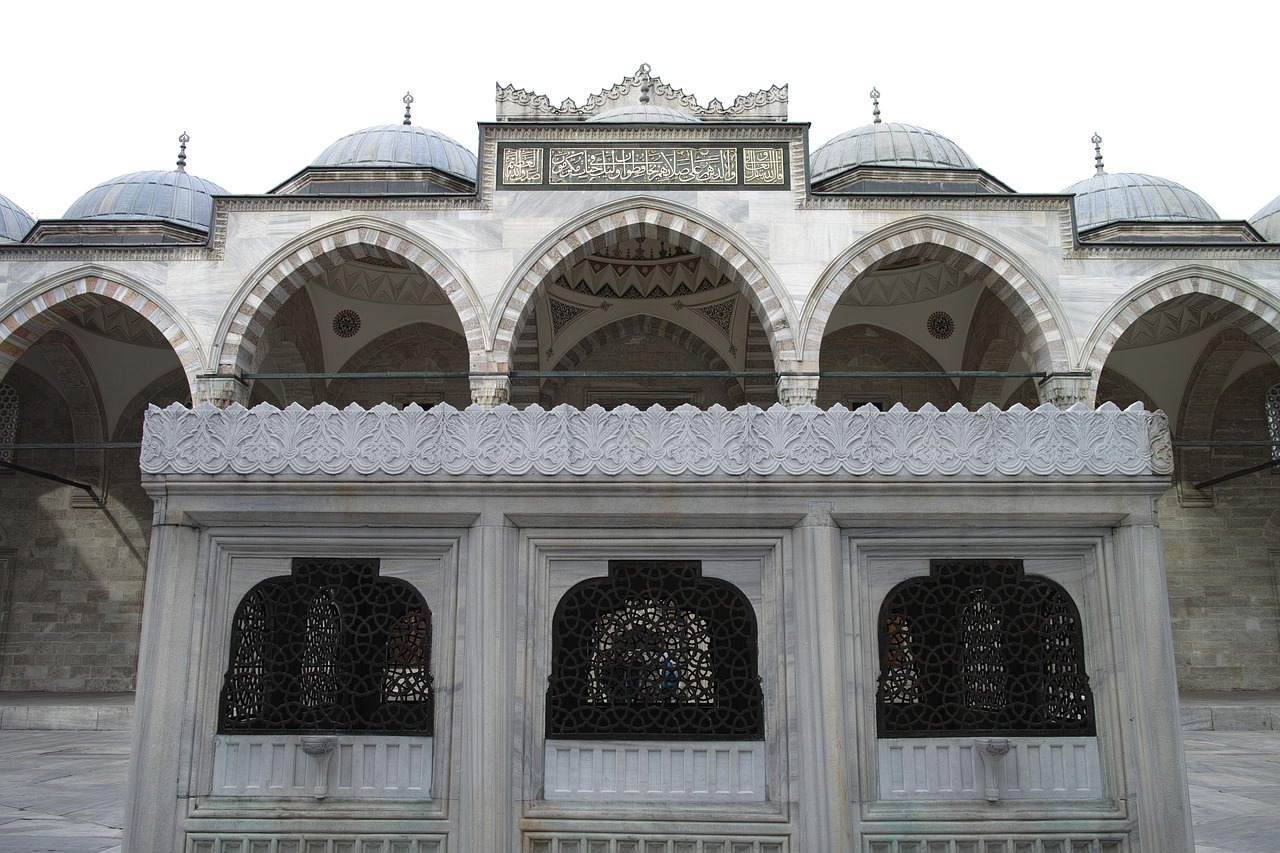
(1097, 154)
(408, 102)
(645, 85)
(875, 105)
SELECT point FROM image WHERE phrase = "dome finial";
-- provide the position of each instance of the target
(408, 102)
(182, 152)
(875, 105)
(643, 76)
(1097, 154)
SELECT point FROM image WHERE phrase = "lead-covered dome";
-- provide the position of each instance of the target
(644, 114)
(889, 145)
(400, 146)
(176, 197)
(1134, 197)
(14, 222)
(1267, 221)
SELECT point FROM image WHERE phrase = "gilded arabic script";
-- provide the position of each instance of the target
(522, 166)
(617, 165)
(762, 166)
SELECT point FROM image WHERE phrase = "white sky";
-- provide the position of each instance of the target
(1183, 90)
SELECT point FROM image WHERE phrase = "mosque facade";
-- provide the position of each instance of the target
(645, 481)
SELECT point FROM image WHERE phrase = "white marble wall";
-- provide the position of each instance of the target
(814, 554)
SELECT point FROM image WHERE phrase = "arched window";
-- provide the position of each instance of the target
(1273, 419)
(9, 412)
(980, 647)
(654, 650)
(331, 647)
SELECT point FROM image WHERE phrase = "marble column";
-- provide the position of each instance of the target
(486, 631)
(165, 667)
(1148, 690)
(822, 793)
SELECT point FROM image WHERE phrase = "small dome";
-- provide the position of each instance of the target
(14, 222)
(403, 145)
(1129, 196)
(887, 144)
(177, 197)
(644, 114)
(1267, 221)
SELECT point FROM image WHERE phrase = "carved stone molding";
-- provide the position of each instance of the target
(804, 441)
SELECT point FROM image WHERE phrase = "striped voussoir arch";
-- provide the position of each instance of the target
(649, 223)
(43, 313)
(1044, 347)
(1257, 319)
(239, 352)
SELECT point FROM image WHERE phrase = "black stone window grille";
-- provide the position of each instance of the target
(331, 647)
(1273, 419)
(654, 651)
(9, 410)
(981, 648)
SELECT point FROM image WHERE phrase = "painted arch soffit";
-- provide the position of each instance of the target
(652, 218)
(1234, 299)
(1012, 280)
(312, 254)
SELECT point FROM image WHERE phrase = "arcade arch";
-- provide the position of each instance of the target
(367, 261)
(657, 223)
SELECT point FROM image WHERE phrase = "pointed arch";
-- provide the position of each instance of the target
(24, 320)
(648, 217)
(1254, 311)
(1041, 318)
(241, 331)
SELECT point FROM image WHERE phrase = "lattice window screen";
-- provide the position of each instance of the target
(654, 651)
(9, 412)
(979, 647)
(331, 647)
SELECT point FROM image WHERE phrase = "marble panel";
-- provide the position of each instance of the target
(1050, 768)
(715, 771)
(359, 767)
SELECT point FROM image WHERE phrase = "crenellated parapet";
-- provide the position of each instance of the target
(640, 88)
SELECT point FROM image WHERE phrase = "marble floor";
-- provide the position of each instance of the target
(63, 791)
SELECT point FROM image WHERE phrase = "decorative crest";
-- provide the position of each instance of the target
(408, 102)
(875, 105)
(642, 87)
(1097, 154)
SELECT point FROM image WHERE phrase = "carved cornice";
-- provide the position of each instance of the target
(98, 254)
(1047, 441)
(641, 133)
(348, 202)
(994, 201)
(1243, 251)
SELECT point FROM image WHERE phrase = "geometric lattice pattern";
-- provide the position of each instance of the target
(654, 650)
(980, 648)
(9, 412)
(1273, 419)
(720, 314)
(330, 647)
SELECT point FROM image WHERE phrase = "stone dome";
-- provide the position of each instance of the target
(400, 145)
(14, 222)
(644, 114)
(177, 197)
(1130, 196)
(887, 144)
(1267, 221)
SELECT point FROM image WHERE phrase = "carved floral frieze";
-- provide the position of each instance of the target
(505, 441)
